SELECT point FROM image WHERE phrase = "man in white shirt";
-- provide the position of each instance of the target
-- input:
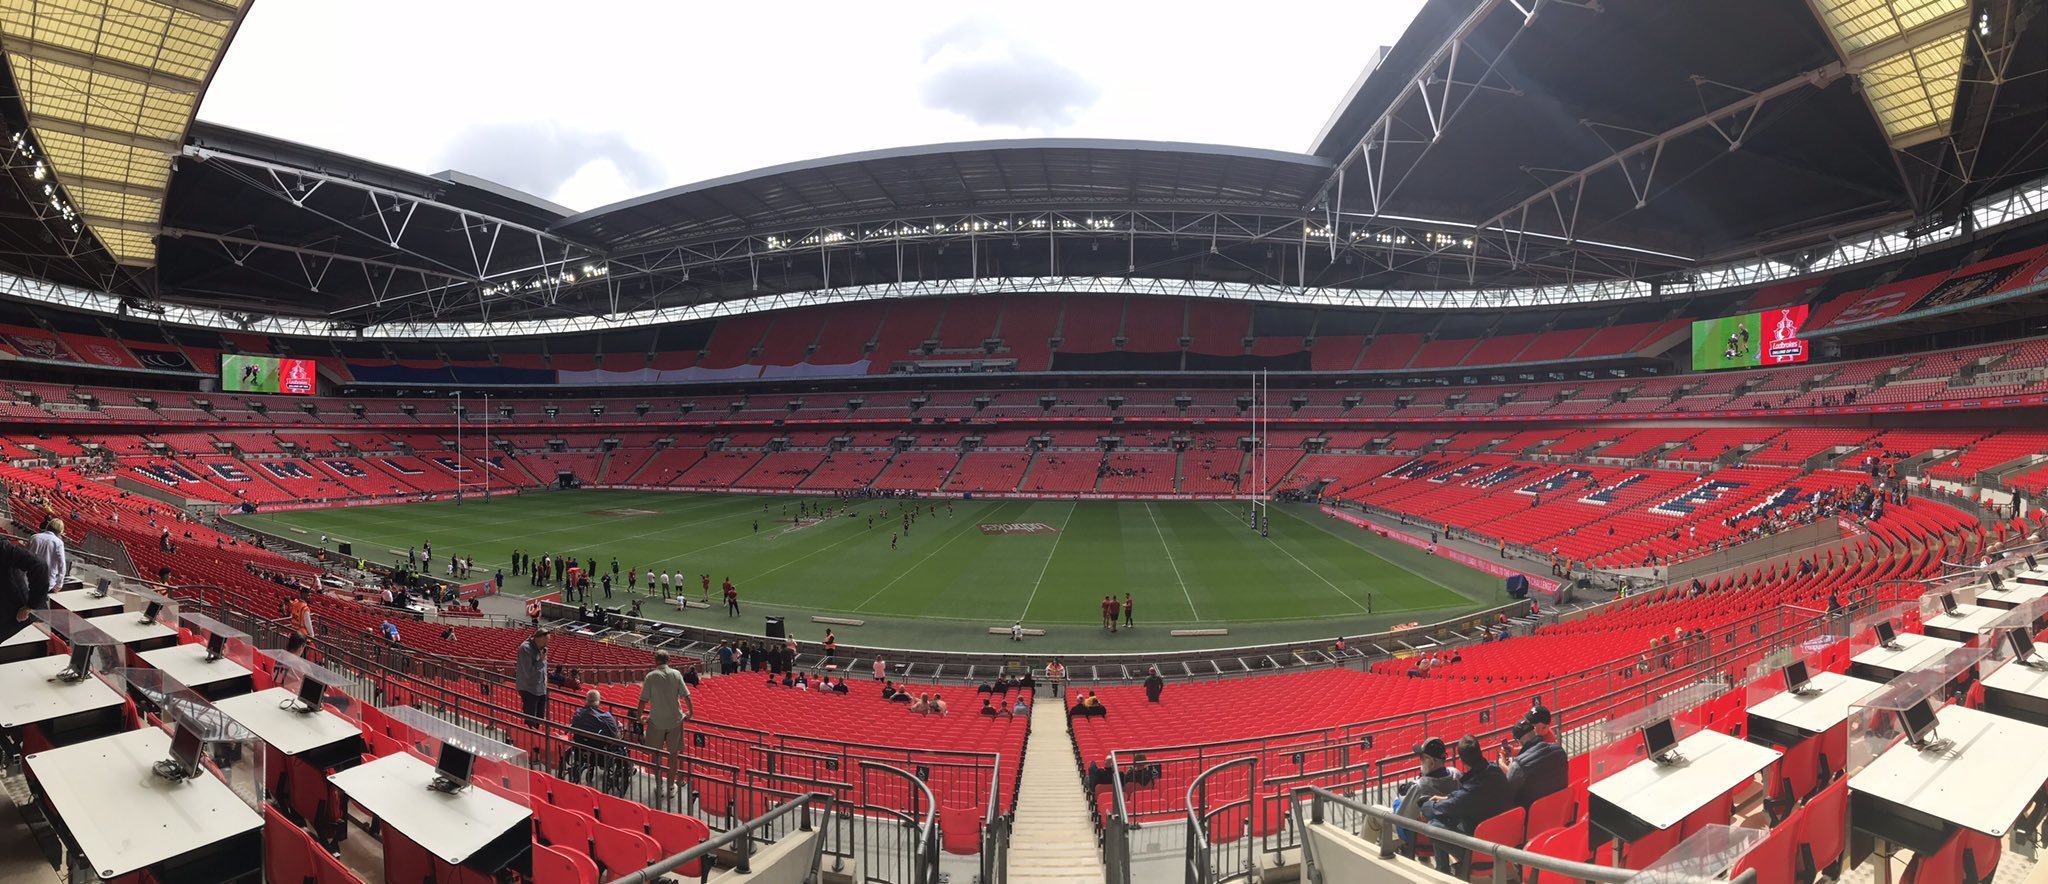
(665, 706)
(48, 546)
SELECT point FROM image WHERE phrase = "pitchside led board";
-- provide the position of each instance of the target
(241, 373)
(1750, 340)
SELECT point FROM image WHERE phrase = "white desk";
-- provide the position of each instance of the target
(124, 817)
(83, 603)
(2012, 596)
(28, 696)
(287, 731)
(451, 827)
(1659, 796)
(27, 643)
(188, 664)
(1915, 651)
(1981, 783)
(127, 628)
(2017, 691)
(2037, 577)
(1790, 718)
(1964, 624)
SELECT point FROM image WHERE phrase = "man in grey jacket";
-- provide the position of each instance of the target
(1435, 780)
(532, 676)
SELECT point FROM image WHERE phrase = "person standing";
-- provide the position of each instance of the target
(48, 545)
(831, 644)
(300, 615)
(1127, 611)
(1055, 675)
(531, 675)
(1154, 685)
(24, 587)
(606, 581)
(732, 600)
(665, 705)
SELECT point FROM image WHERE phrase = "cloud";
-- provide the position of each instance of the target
(542, 157)
(990, 78)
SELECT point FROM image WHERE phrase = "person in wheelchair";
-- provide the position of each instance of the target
(596, 753)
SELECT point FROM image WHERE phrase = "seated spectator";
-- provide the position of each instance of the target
(1483, 793)
(1021, 708)
(1538, 767)
(840, 687)
(389, 631)
(888, 690)
(938, 705)
(922, 704)
(448, 634)
(1436, 779)
(988, 709)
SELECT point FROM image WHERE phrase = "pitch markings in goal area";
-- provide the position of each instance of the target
(1170, 561)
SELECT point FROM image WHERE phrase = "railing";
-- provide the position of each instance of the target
(1348, 759)
(885, 820)
(995, 836)
(1218, 843)
(1323, 807)
(741, 838)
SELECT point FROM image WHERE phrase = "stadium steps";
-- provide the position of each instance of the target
(1024, 475)
(1053, 840)
(1180, 463)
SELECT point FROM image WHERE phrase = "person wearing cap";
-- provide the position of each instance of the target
(1538, 767)
(1539, 717)
(1434, 780)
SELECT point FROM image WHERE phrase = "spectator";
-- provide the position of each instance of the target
(881, 669)
(1483, 793)
(1539, 717)
(665, 696)
(448, 633)
(987, 708)
(1154, 684)
(24, 587)
(1435, 780)
(1538, 768)
(922, 704)
(938, 705)
(596, 731)
(530, 674)
(48, 545)
(389, 631)
(1021, 708)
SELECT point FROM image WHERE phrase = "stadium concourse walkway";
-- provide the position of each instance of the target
(1053, 841)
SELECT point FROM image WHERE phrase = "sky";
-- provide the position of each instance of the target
(591, 102)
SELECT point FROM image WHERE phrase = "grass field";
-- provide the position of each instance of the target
(1186, 564)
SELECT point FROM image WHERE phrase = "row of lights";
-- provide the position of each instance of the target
(41, 172)
(834, 237)
(546, 280)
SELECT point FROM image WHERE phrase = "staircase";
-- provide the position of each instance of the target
(1052, 842)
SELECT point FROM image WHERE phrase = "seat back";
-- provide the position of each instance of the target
(1772, 858)
(287, 852)
(1944, 866)
(1573, 843)
(674, 833)
(616, 811)
(561, 827)
(620, 852)
(553, 865)
(1640, 853)
(1822, 828)
(1504, 828)
(1553, 811)
(1793, 777)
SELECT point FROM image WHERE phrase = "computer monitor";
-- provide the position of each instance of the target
(1659, 737)
(149, 613)
(452, 768)
(216, 646)
(2022, 644)
(1795, 676)
(1886, 635)
(1948, 603)
(184, 761)
(78, 667)
(100, 590)
(1919, 722)
(310, 691)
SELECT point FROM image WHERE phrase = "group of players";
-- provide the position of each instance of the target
(577, 579)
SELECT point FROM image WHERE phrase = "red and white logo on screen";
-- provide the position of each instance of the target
(297, 375)
(1782, 343)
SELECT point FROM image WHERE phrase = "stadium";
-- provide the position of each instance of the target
(1610, 448)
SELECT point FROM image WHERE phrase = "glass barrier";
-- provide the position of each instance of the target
(458, 753)
(92, 649)
(226, 748)
(312, 683)
(1707, 853)
(223, 642)
(1881, 719)
(145, 602)
(1625, 740)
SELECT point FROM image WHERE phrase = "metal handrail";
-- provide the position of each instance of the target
(742, 833)
(927, 843)
(1506, 857)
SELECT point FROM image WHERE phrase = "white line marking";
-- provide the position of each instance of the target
(1048, 560)
(1317, 574)
(1169, 560)
(972, 524)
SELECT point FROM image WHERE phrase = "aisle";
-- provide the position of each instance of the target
(1053, 840)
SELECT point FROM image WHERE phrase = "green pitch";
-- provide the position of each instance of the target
(987, 563)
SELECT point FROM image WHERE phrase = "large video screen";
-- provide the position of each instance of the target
(1750, 340)
(242, 373)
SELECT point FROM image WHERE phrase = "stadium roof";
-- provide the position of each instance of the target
(1503, 152)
